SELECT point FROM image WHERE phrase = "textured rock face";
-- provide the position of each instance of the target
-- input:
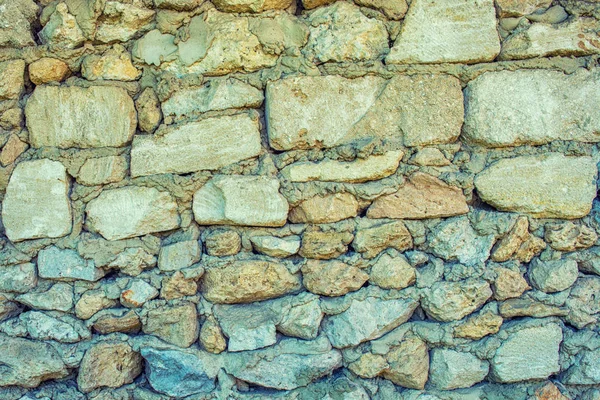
(452, 369)
(18, 16)
(210, 144)
(553, 276)
(103, 170)
(371, 241)
(54, 263)
(450, 301)
(538, 185)
(177, 325)
(324, 209)
(36, 204)
(240, 6)
(512, 108)
(12, 81)
(332, 278)
(76, 117)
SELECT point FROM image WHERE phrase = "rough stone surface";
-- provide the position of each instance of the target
(450, 301)
(12, 79)
(47, 70)
(408, 364)
(177, 325)
(115, 64)
(102, 170)
(450, 369)
(553, 276)
(325, 209)
(276, 247)
(59, 264)
(332, 278)
(137, 293)
(19, 278)
(392, 272)
(569, 237)
(179, 255)
(223, 243)
(252, 6)
(478, 326)
(16, 30)
(509, 284)
(371, 241)
(13, 148)
(515, 8)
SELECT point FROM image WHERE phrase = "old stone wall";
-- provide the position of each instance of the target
(255, 199)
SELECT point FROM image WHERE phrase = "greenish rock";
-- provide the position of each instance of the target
(553, 275)
(374, 239)
(586, 370)
(65, 329)
(176, 324)
(450, 369)
(18, 15)
(138, 292)
(450, 301)
(583, 302)
(66, 265)
(179, 255)
(20, 278)
(59, 297)
(155, 47)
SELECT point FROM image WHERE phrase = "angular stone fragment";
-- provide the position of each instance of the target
(91, 302)
(251, 6)
(102, 170)
(223, 243)
(276, 247)
(324, 245)
(586, 371)
(177, 325)
(127, 323)
(137, 293)
(567, 236)
(248, 281)
(325, 209)
(240, 200)
(148, 109)
(584, 302)
(66, 264)
(36, 204)
(508, 284)
(176, 373)
(530, 248)
(62, 32)
(423, 196)
(211, 337)
(47, 70)
(154, 47)
(408, 364)
(545, 186)
(549, 392)
(248, 327)
(8, 309)
(65, 329)
(98, 116)
(516, 8)
(179, 255)
(340, 32)
(367, 320)
(177, 286)
(108, 364)
(392, 9)
(131, 211)
(373, 240)
(451, 301)
(525, 104)
(430, 156)
(478, 326)
(121, 22)
(392, 272)
(12, 79)
(59, 297)
(528, 353)
(332, 278)
(17, 16)
(12, 149)
(553, 275)
(115, 64)
(357, 171)
(451, 369)
(19, 278)
(439, 32)
(41, 362)
(513, 308)
(179, 5)
(513, 240)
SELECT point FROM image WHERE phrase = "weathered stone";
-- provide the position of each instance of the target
(176, 373)
(248, 281)
(328, 111)
(478, 326)
(369, 365)
(430, 156)
(324, 245)
(340, 32)
(408, 364)
(586, 371)
(513, 308)
(102, 170)
(223, 243)
(214, 95)
(549, 392)
(19, 278)
(137, 293)
(456, 240)
(423, 196)
(373, 240)
(451, 301)
(282, 34)
(8, 309)
(357, 171)
(62, 31)
(530, 248)
(154, 47)
(177, 325)
(584, 302)
(240, 200)
(108, 364)
(439, 32)
(309, 4)
(59, 264)
(17, 16)
(301, 315)
(98, 116)
(91, 302)
(179, 5)
(251, 6)
(127, 323)
(391, 9)
(208, 144)
(451, 369)
(140, 210)
(47, 70)
(148, 110)
(516, 8)
(512, 241)
(13, 148)
(524, 105)
(553, 275)
(121, 22)
(392, 272)
(177, 286)
(12, 79)
(59, 297)
(332, 278)
(248, 327)
(179, 255)
(36, 204)
(325, 209)
(65, 329)
(27, 363)
(276, 247)
(567, 236)
(211, 336)
(367, 320)
(508, 284)
(528, 353)
(115, 64)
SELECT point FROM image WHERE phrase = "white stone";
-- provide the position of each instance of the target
(102, 170)
(276, 247)
(179, 255)
(36, 204)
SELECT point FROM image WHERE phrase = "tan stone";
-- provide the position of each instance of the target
(392, 272)
(567, 236)
(47, 70)
(211, 336)
(530, 248)
(516, 8)
(325, 209)
(373, 240)
(123, 21)
(479, 326)
(512, 241)
(91, 302)
(102, 170)
(451, 301)
(508, 284)
(179, 5)
(324, 245)
(248, 281)
(177, 325)
(148, 109)
(177, 286)
(12, 80)
(61, 32)
(309, 4)
(12, 149)
(127, 323)
(408, 364)
(223, 243)
(549, 392)
(251, 6)
(18, 15)
(114, 64)
(430, 156)
(395, 9)
(514, 308)
(369, 365)
(423, 196)
(332, 278)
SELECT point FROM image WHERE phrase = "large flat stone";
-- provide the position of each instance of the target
(544, 186)
(204, 145)
(99, 116)
(529, 107)
(240, 200)
(36, 204)
(177, 324)
(131, 211)
(451, 301)
(442, 31)
(66, 264)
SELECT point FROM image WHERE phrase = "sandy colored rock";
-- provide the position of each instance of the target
(371, 241)
(18, 16)
(36, 204)
(148, 110)
(439, 32)
(368, 365)
(154, 48)
(423, 196)
(549, 392)
(248, 281)
(99, 116)
(324, 245)
(102, 170)
(332, 278)
(478, 326)
(325, 209)
(540, 185)
(123, 21)
(177, 286)
(177, 325)
(309, 4)
(516, 8)
(430, 156)
(408, 364)
(127, 323)
(211, 336)
(91, 302)
(514, 308)
(451, 301)
(208, 144)
(508, 284)
(567, 236)
(137, 293)
(392, 9)
(115, 64)
(223, 243)
(276, 247)
(251, 6)
(530, 248)
(512, 241)
(62, 32)
(12, 79)
(179, 5)
(13, 148)
(392, 272)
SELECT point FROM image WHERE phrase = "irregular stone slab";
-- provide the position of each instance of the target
(251, 6)
(373, 240)
(102, 170)
(12, 149)
(19, 278)
(567, 236)
(131, 211)
(12, 79)
(67, 265)
(393, 10)
(179, 255)
(211, 337)
(480, 325)
(208, 144)
(36, 203)
(18, 15)
(585, 371)
(214, 95)
(367, 320)
(108, 364)
(148, 108)
(451, 301)
(248, 281)
(324, 245)
(126, 323)
(248, 327)
(42, 362)
(325, 209)
(531, 107)
(516, 8)
(8, 309)
(138, 292)
(544, 186)
(176, 373)
(357, 171)
(450, 369)
(509, 284)
(98, 116)
(584, 302)
(123, 21)
(59, 297)
(91, 302)
(276, 247)
(439, 32)
(223, 243)
(179, 5)
(528, 353)
(423, 196)
(408, 364)
(61, 31)
(512, 241)
(392, 272)
(177, 286)
(340, 32)
(154, 48)
(240, 200)
(114, 64)
(177, 324)
(553, 275)
(65, 329)
(289, 364)
(332, 278)
(327, 111)
(512, 308)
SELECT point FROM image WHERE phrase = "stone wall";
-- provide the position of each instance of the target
(252, 199)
